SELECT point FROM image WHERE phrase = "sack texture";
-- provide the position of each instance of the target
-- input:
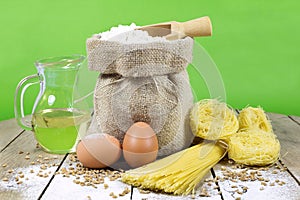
(143, 82)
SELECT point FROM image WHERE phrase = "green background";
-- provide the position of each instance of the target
(255, 44)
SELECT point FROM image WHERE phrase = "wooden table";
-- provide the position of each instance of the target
(26, 172)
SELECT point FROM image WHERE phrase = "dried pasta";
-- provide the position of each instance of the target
(255, 143)
(250, 118)
(179, 173)
(211, 119)
(254, 147)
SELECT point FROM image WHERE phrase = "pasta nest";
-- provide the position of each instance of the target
(211, 119)
(254, 147)
(250, 118)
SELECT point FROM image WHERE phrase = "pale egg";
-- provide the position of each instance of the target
(98, 150)
(140, 145)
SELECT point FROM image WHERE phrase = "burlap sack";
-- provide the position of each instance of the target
(143, 82)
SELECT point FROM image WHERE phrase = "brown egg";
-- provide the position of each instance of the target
(140, 145)
(98, 150)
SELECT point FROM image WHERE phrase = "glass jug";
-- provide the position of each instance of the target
(58, 119)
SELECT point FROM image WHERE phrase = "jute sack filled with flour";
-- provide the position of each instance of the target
(143, 82)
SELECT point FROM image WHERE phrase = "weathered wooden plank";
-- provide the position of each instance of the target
(296, 118)
(9, 129)
(71, 190)
(211, 193)
(64, 188)
(288, 133)
(267, 183)
(17, 180)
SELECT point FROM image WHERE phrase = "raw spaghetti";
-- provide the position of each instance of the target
(179, 173)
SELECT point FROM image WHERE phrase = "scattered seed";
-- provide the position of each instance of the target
(5, 179)
(21, 152)
(264, 183)
(27, 157)
(259, 174)
(202, 194)
(144, 191)
(281, 183)
(262, 188)
(19, 182)
(240, 192)
(10, 171)
(272, 184)
(43, 167)
(230, 161)
(4, 165)
(223, 168)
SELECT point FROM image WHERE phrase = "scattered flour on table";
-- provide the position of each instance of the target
(128, 35)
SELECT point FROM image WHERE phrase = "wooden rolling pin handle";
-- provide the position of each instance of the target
(198, 27)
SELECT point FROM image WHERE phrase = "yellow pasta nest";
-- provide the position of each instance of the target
(250, 118)
(254, 147)
(255, 143)
(212, 120)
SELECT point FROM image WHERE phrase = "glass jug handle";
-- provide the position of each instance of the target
(18, 101)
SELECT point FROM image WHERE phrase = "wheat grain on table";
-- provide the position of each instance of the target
(27, 172)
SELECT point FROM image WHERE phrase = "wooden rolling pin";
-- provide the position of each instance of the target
(176, 30)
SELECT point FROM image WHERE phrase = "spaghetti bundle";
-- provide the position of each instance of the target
(213, 120)
(179, 173)
(255, 143)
